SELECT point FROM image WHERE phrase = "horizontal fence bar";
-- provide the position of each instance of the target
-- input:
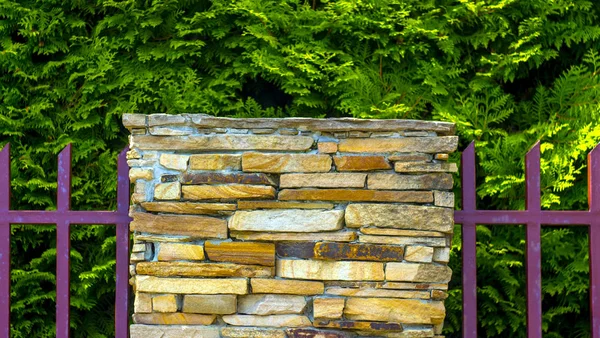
(545, 217)
(74, 217)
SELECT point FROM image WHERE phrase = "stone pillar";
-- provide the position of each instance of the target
(289, 227)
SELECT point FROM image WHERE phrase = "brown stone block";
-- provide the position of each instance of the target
(229, 178)
(329, 270)
(392, 240)
(400, 216)
(407, 311)
(416, 272)
(438, 295)
(210, 304)
(173, 319)
(325, 180)
(243, 205)
(409, 182)
(416, 167)
(357, 325)
(285, 163)
(341, 251)
(283, 286)
(269, 321)
(206, 286)
(444, 144)
(230, 191)
(340, 236)
(271, 304)
(215, 162)
(410, 157)
(186, 269)
(193, 226)
(178, 251)
(400, 232)
(223, 142)
(313, 333)
(361, 163)
(241, 252)
(189, 208)
(328, 308)
(356, 195)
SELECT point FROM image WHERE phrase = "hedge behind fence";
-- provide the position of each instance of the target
(507, 72)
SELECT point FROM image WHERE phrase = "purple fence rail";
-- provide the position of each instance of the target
(63, 217)
(533, 217)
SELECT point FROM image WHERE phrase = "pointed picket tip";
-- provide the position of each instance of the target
(5, 150)
(123, 182)
(534, 150)
(594, 179)
(66, 151)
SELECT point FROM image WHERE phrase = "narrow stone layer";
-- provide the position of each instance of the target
(223, 142)
(287, 220)
(193, 226)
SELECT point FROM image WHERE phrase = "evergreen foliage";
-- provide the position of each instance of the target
(508, 72)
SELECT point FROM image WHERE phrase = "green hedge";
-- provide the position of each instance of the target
(508, 72)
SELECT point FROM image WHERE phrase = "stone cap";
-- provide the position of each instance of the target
(132, 121)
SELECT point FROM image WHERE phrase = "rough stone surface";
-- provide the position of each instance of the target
(409, 182)
(142, 303)
(418, 253)
(230, 191)
(328, 308)
(287, 220)
(446, 144)
(355, 195)
(188, 269)
(210, 304)
(285, 163)
(441, 255)
(164, 303)
(193, 226)
(251, 332)
(242, 205)
(215, 162)
(327, 180)
(407, 311)
(281, 286)
(178, 251)
(316, 333)
(271, 304)
(189, 208)
(174, 161)
(374, 292)
(341, 251)
(327, 147)
(173, 331)
(361, 163)
(400, 216)
(209, 286)
(141, 174)
(444, 199)
(167, 191)
(400, 232)
(227, 178)
(416, 272)
(340, 236)
(241, 252)
(396, 240)
(269, 321)
(378, 327)
(173, 319)
(410, 157)
(329, 270)
(223, 142)
(425, 167)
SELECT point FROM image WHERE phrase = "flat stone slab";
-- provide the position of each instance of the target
(400, 216)
(287, 220)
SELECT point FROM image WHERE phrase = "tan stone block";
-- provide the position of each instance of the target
(418, 253)
(141, 247)
(189, 208)
(285, 163)
(328, 308)
(166, 120)
(355, 195)
(361, 163)
(444, 198)
(241, 252)
(230, 191)
(271, 304)
(131, 121)
(373, 292)
(413, 332)
(410, 157)
(416, 272)
(446, 144)
(141, 174)
(340, 236)
(210, 304)
(282, 286)
(215, 178)
(162, 238)
(167, 191)
(415, 286)
(173, 319)
(142, 303)
(393, 240)
(327, 147)
(269, 321)
(409, 182)
(164, 303)
(171, 131)
(416, 167)
(293, 220)
(208, 286)
(173, 331)
(438, 295)
(251, 332)
(326, 180)
(409, 311)
(215, 162)
(178, 251)
(400, 232)
(174, 161)
(441, 157)
(186, 269)
(223, 142)
(137, 257)
(441, 255)
(400, 216)
(193, 226)
(243, 205)
(329, 270)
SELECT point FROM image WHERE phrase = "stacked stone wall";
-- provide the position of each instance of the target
(289, 227)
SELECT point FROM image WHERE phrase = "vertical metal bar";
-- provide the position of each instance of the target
(594, 241)
(533, 243)
(122, 294)
(63, 244)
(5, 243)
(469, 244)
